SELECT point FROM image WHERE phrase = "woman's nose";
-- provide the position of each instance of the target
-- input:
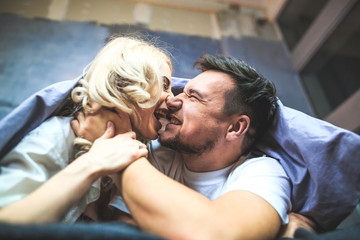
(165, 95)
(173, 103)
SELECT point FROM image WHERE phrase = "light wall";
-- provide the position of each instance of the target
(156, 17)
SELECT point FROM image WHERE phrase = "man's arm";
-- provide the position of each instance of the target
(164, 207)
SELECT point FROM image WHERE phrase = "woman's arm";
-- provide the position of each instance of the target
(53, 199)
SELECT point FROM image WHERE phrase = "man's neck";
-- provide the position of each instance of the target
(209, 160)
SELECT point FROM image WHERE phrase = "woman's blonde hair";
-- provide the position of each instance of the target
(125, 74)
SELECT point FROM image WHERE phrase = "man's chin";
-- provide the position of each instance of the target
(167, 141)
(175, 143)
(162, 138)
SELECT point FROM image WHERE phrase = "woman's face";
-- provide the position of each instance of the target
(150, 124)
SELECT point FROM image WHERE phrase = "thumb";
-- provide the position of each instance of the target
(75, 126)
(110, 131)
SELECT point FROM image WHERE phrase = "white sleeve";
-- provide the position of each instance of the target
(41, 154)
(266, 178)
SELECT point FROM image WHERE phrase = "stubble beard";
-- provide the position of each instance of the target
(180, 146)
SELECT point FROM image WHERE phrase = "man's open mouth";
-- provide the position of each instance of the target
(161, 113)
(174, 120)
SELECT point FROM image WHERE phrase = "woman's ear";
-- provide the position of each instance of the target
(238, 127)
(94, 107)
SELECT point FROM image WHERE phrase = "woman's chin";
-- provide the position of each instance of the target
(151, 135)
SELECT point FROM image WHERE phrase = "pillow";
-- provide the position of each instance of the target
(31, 113)
(322, 161)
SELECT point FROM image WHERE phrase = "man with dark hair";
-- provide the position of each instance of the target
(253, 95)
(228, 191)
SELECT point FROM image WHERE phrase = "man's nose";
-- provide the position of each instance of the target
(173, 103)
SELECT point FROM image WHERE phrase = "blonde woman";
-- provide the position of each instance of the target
(37, 182)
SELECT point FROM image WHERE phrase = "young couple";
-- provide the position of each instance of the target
(212, 126)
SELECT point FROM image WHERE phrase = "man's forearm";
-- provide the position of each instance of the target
(148, 195)
(167, 208)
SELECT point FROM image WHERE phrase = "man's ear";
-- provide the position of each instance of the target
(238, 127)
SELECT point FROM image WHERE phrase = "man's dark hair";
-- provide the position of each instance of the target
(254, 95)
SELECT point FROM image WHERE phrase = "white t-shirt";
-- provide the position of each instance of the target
(40, 155)
(262, 176)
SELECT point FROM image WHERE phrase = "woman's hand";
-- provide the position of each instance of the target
(93, 125)
(296, 221)
(112, 155)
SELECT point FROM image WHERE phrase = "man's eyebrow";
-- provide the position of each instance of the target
(193, 91)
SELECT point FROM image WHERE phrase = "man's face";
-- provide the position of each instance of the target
(197, 121)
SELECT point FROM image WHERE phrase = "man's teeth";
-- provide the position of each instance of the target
(175, 121)
(165, 121)
(164, 118)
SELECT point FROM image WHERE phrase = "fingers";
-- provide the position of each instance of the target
(143, 152)
(113, 154)
(128, 134)
(303, 221)
(75, 126)
(80, 117)
(94, 105)
(110, 131)
(76, 123)
(296, 221)
(141, 145)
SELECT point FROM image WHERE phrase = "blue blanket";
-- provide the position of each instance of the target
(322, 160)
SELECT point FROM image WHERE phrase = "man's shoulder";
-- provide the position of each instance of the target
(264, 177)
(165, 159)
(257, 160)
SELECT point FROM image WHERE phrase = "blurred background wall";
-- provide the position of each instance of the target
(309, 49)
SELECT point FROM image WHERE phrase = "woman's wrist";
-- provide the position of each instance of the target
(84, 166)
